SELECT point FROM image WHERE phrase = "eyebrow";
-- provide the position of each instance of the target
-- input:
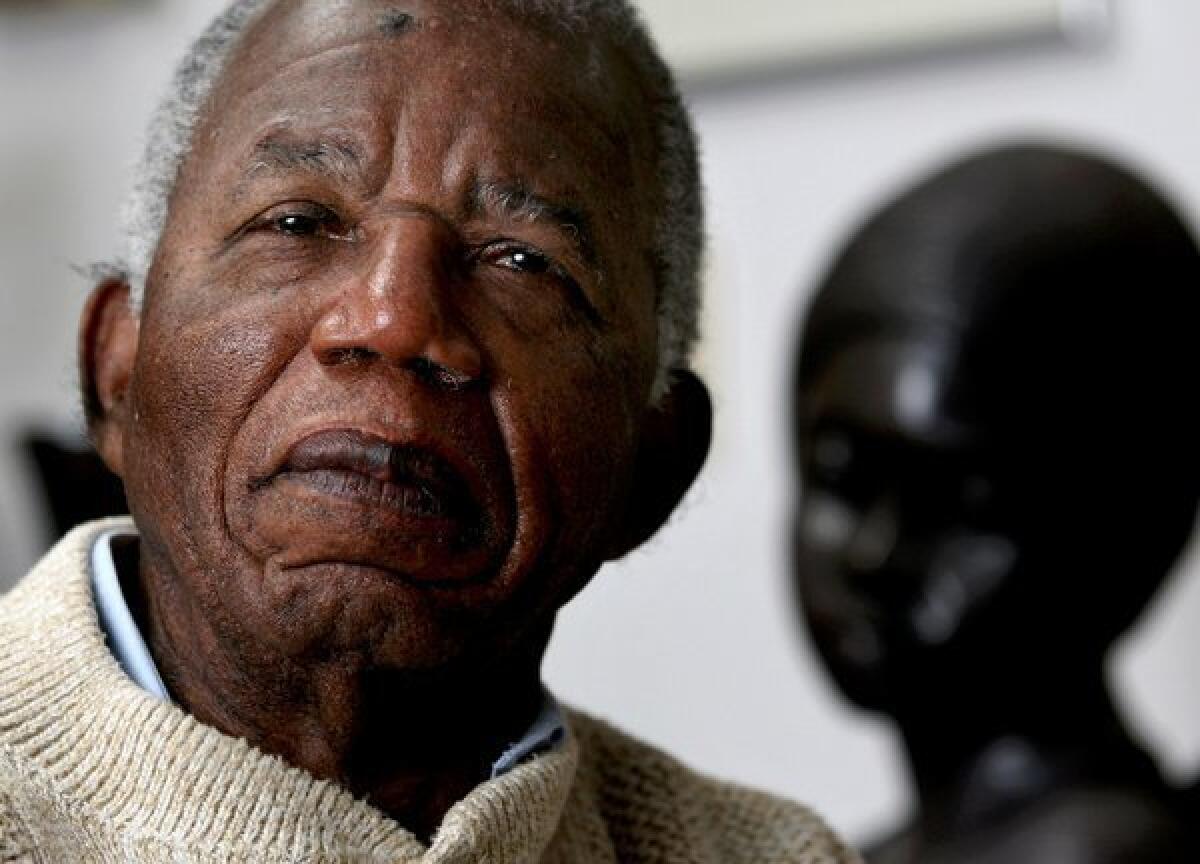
(279, 154)
(518, 202)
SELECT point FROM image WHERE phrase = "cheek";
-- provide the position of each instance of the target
(195, 381)
(590, 441)
(822, 530)
(965, 576)
(570, 423)
(826, 525)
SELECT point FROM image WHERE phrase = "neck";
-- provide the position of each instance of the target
(973, 765)
(413, 744)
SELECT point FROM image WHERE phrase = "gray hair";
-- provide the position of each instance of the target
(679, 233)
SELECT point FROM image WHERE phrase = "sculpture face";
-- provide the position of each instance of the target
(977, 501)
(399, 339)
(902, 543)
(997, 467)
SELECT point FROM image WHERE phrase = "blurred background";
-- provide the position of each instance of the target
(810, 113)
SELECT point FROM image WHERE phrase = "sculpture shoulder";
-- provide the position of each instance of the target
(1102, 824)
(657, 809)
(1082, 825)
(900, 847)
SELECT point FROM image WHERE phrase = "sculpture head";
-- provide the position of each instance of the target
(993, 419)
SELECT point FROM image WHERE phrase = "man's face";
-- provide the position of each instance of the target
(399, 335)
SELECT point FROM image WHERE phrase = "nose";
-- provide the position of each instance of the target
(399, 308)
(874, 540)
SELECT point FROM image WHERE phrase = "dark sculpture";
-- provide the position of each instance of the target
(1000, 460)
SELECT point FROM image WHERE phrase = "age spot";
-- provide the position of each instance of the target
(395, 23)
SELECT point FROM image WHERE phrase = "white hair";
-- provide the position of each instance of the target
(679, 233)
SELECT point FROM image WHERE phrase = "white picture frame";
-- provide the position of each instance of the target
(715, 38)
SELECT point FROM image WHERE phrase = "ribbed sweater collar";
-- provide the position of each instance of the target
(151, 770)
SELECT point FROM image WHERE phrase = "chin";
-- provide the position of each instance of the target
(353, 613)
(866, 687)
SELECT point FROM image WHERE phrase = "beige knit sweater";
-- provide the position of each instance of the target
(92, 769)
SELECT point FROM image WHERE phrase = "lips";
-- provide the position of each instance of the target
(350, 500)
(402, 489)
(411, 480)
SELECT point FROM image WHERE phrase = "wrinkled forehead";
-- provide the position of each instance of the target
(505, 46)
(498, 27)
(491, 87)
(327, 22)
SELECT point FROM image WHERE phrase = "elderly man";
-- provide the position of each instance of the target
(397, 360)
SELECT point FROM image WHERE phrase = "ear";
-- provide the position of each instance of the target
(676, 436)
(108, 342)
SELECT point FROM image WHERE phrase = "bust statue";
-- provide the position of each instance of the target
(999, 462)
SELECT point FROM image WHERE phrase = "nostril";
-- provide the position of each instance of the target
(345, 356)
(441, 376)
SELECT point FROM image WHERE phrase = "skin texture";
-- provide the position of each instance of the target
(998, 468)
(387, 406)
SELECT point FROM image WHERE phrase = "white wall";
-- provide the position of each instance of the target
(75, 91)
(690, 642)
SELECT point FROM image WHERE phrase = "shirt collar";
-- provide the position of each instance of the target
(116, 621)
(127, 644)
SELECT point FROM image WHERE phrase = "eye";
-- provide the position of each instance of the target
(298, 224)
(538, 270)
(832, 456)
(303, 220)
(522, 259)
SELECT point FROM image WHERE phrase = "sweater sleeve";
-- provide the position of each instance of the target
(777, 830)
(15, 846)
(655, 809)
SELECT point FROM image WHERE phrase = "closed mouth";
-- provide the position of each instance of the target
(412, 481)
